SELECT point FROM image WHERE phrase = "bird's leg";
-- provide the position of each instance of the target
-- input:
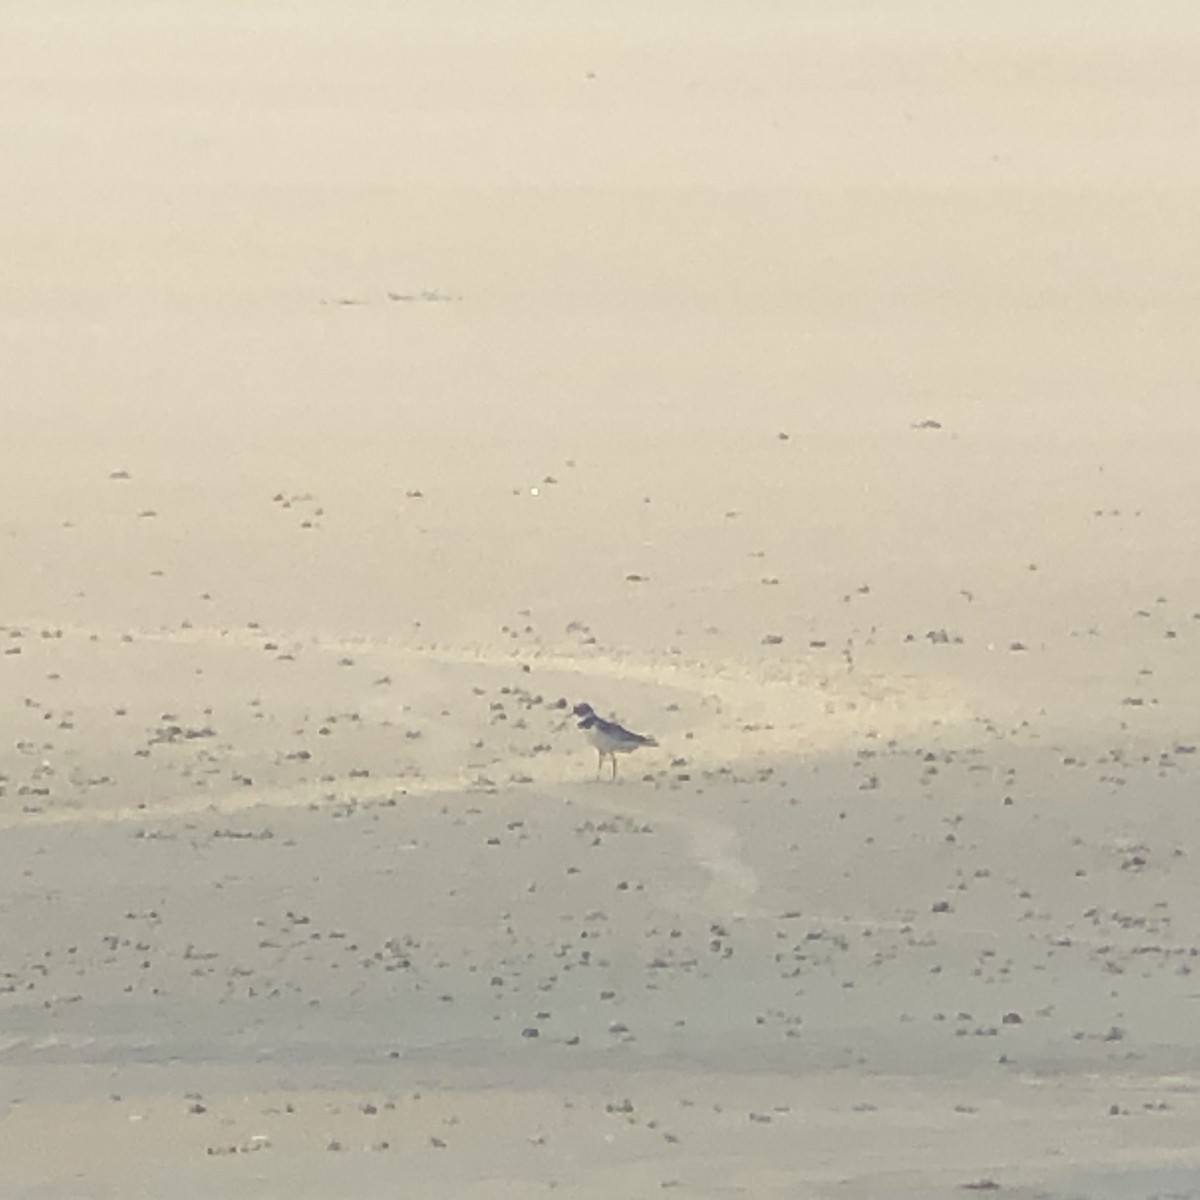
(599, 762)
(614, 762)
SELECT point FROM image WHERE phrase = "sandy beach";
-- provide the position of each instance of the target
(810, 387)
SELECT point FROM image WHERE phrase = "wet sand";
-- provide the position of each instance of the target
(812, 391)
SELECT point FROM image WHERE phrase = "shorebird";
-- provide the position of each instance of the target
(609, 738)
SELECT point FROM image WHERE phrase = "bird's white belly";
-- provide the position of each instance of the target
(607, 744)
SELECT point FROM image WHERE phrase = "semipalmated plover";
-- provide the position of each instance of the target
(609, 738)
